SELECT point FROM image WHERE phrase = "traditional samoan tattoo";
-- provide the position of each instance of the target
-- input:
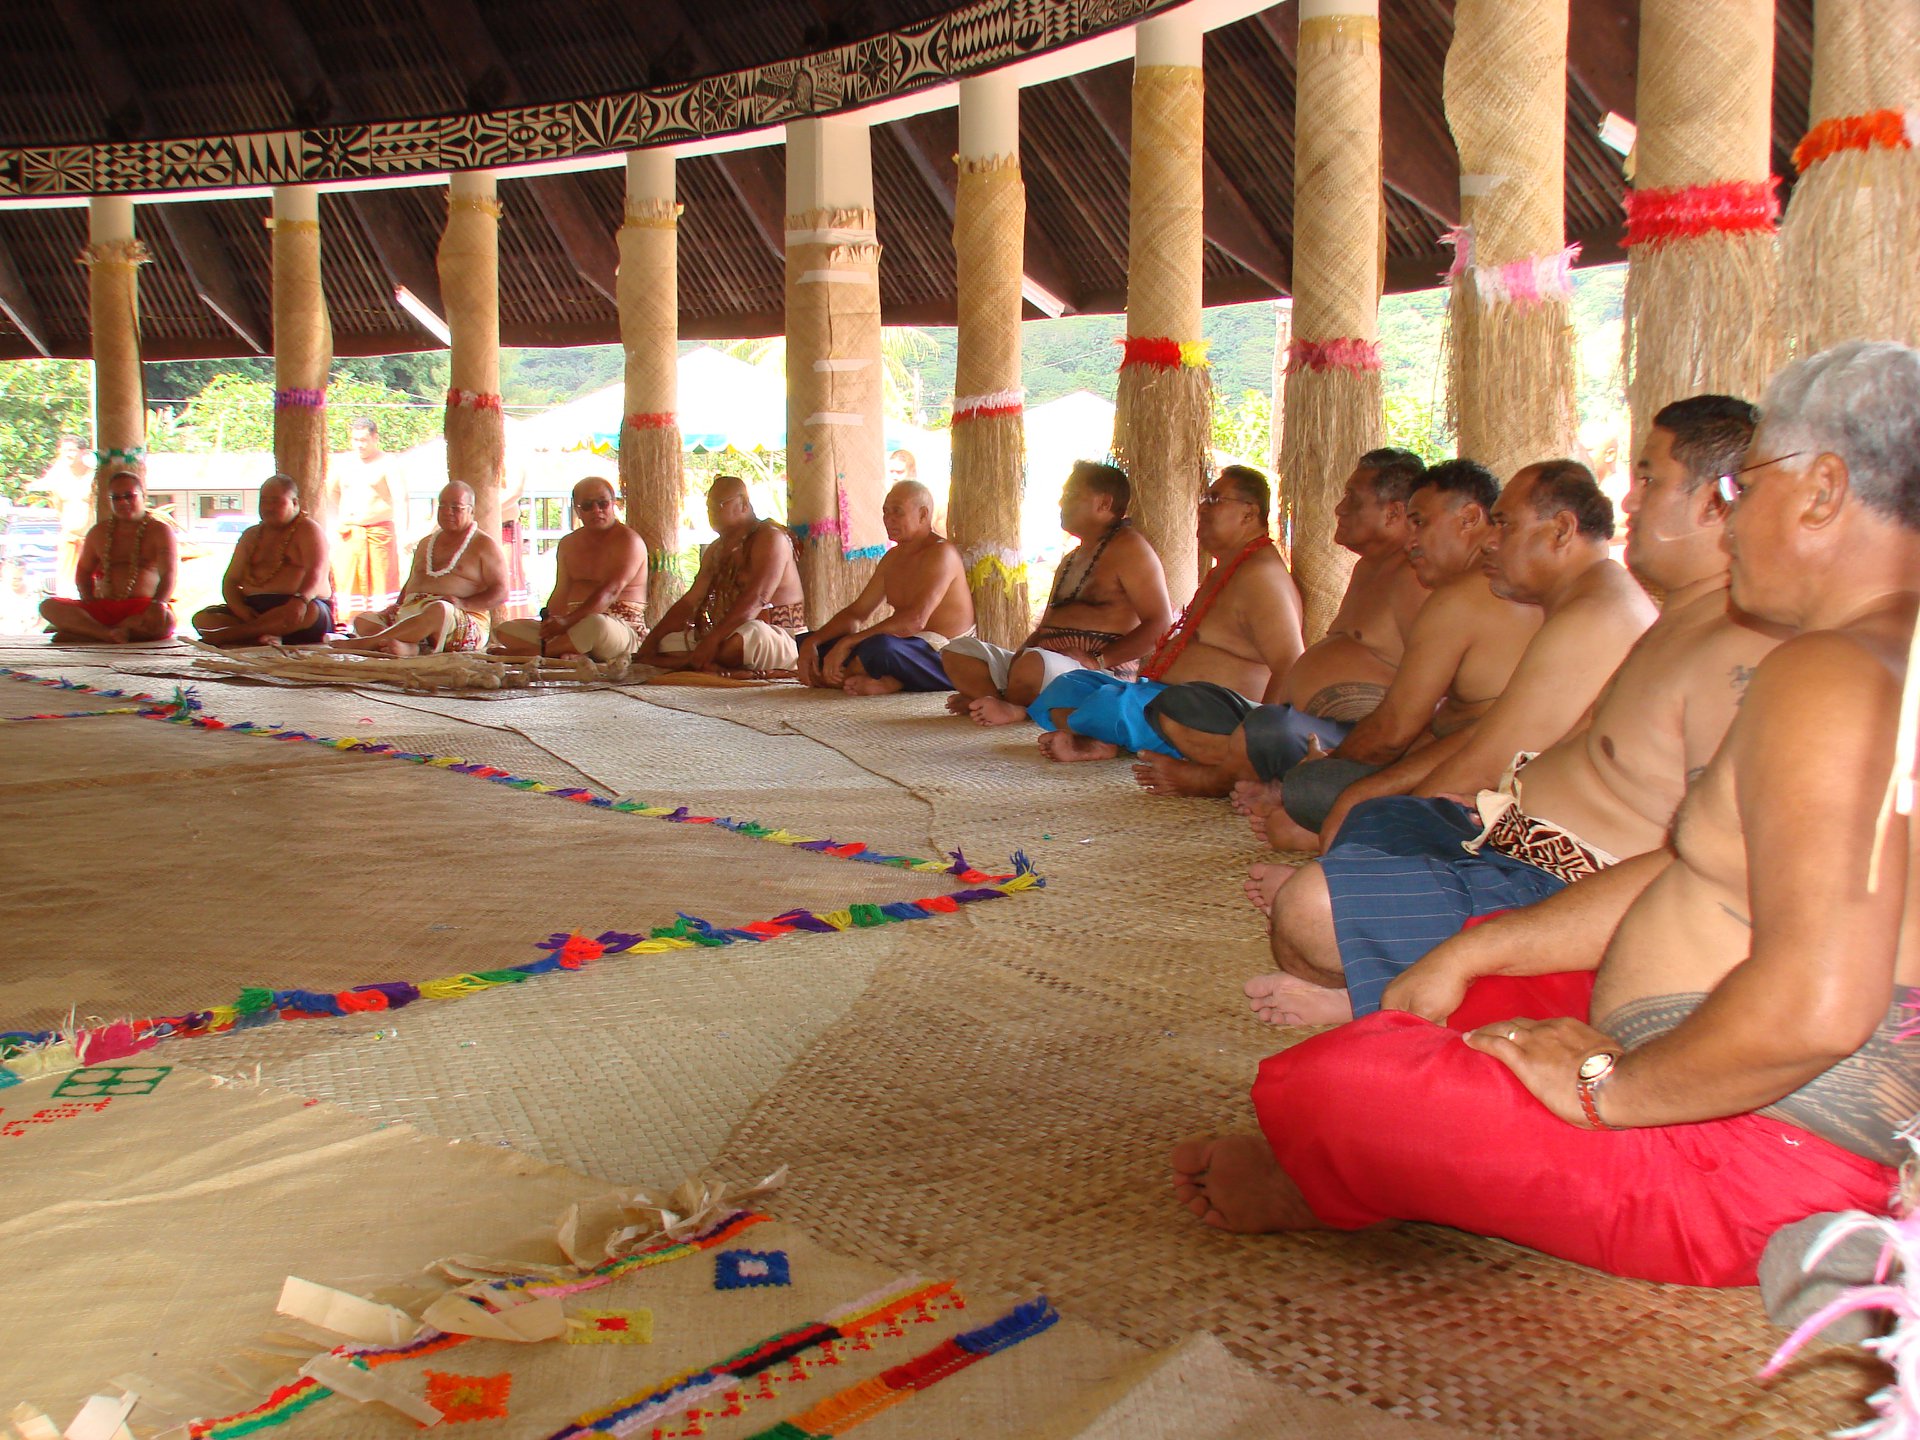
(1351, 701)
(1858, 1104)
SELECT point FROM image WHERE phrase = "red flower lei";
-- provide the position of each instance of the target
(1179, 635)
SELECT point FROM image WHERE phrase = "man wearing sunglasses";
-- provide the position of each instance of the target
(457, 578)
(599, 603)
(1672, 1059)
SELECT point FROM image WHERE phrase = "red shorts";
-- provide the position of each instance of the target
(115, 612)
(1395, 1118)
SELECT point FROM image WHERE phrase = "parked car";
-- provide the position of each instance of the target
(30, 549)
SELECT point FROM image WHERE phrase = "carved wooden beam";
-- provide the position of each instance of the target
(586, 237)
(18, 303)
(289, 49)
(106, 65)
(1228, 221)
(211, 270)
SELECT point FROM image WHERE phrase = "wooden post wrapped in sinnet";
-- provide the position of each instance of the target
(1333, 372)
(1703, 275)
(989, 421)
(302, 358)
(1851, 240)
(652, 480)
(1506, 97)
(1163, 421)
(119, 395)
(469, 264)
(836, 457)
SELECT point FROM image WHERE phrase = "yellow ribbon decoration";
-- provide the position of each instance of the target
(1010, 575)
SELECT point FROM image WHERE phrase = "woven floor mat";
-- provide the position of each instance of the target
(299, 866)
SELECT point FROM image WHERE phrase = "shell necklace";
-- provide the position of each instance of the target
(133, 560)
(444, 569)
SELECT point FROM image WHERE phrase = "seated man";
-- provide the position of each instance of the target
(457, 577)
(1109, 604)
(599, 603)
(922, 579)
(745, 609)
(1341, 677)
(1241, 631)
(125, 573)
(1749, 1057)
(274, 588)
(1548, 548)
(1415, 870)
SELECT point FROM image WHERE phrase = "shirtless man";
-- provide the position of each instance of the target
(1750, 1053)
(125, 574)
(274, 590)
(1339, 679)
(457, 578)
(745, 609)
(599, 603)
(366, 562)
(1241, 631)
(922, 579)
(69, 480)
(1109, 604)
(1388, 893)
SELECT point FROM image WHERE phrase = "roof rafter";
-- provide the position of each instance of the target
(1603, 47)
(18, 303)
(585, 238)
(106, 66)
(389, 230)
(761, 193)
(489, 78)
(289, 49)
(1227, 220)
(211, 270)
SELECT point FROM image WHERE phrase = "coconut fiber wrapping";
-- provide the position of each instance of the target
(1702, 308)
(836, 465)
(1332, 414)
(1852, 230)
(119, 392)
(469, 265)
(1506, 99)
(302, 358)
(1163, 420)
(989, 450)
(652, 479)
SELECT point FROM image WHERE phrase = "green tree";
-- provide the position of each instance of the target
(1243, 428)
(235, 413)
(40, 400)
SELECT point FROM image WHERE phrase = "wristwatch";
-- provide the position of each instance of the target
(1595, 1068)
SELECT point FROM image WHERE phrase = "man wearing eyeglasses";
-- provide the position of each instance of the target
(125, 573)
(599, 603)
(1669, 1061)
(457, 578)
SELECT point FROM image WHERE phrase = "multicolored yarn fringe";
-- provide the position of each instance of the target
(289, 1400)
(260, 1005)
(299, 399)
(988, 407)
(1685, 212)
(659, 420)
(651, 1406)
(1875, 130)
(472, 400)
(1355, 356)
(857, 1404)
(73, 714)
(1533, 280)
(819, 532)
(1159, 353)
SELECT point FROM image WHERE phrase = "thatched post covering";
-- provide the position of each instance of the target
(1163, 422)
(989, 419)
(469, 264)
(1852, 234)
(302, 346)
(113, 257)
(651, 478)
(1333, 371)
(1703, 274)
(1506, 98)
(836, 456)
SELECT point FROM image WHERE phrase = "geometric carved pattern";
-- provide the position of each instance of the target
(976, 37)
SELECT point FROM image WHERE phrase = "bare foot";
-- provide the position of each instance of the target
(1232, 1182)
(958, 704)
(1278, 830)
(872, 685)
(1164, 775)
(1256, 797)
(992, 710)
(1283, 999)
(1069, 748)
(118, 635)
(1263, 882)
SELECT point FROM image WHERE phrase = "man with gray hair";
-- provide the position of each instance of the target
(1670, 1060)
